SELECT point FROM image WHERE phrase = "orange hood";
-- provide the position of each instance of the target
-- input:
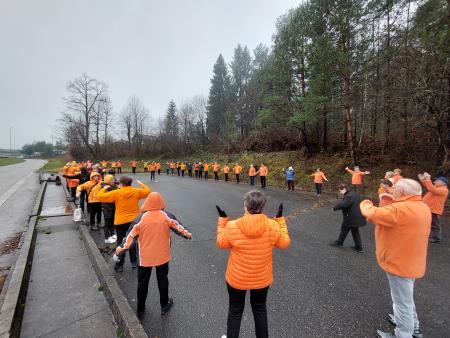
(108, 178)
(154, 201)
(94, 173)
(252, 225)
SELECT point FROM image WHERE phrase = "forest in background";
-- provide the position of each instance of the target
(365, 79)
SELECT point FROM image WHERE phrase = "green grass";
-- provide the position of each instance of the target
(54, 164)
(10, 160)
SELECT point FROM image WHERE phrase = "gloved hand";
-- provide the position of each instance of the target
(280, 211)
(221, 212)
(78, 194)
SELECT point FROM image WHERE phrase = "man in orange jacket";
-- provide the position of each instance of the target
(319, 178)
(237, 171)
(435, 198)
(153, 230)
(262, 175)
(252, 174)
(133, 165)
(357, 178)
(126, 199)
(226, 170)
(401, 238)
(251, 240)
(216, 168)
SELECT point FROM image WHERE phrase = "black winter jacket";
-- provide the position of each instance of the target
(350, 210)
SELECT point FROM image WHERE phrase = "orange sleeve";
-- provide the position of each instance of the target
(222, 241)
(432, 188)
(283, 241)
(349, 171)
(133, 233)
(384, 216)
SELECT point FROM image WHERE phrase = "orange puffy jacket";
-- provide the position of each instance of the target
(252, 172)
(153, 232)
(126, 200)
(319, 177)
(263, 171)
(401, 235)
(251, 239)
(435, 197)
(237, 169)
(216, 167)
(357, 176)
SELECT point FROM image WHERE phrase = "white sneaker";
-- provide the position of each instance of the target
(114, 237)
(110, 240)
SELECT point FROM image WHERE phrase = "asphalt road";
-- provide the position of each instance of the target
(318, 291)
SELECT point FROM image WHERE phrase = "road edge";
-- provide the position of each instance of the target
(15, 296)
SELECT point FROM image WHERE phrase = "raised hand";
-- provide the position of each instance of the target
(280, 211)
(221, 212)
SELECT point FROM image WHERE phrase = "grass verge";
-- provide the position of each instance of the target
(10, 160)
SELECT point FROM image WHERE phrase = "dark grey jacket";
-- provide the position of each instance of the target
(350, 210)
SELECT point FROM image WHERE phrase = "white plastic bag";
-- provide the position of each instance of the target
(78, 215)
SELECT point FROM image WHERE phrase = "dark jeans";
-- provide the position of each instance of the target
(152, 175)
(178, 171)
(167, 171)
(133, 169)
(121, 230)
(355, 234)
(236, 306)
(182, 173)
(119, 170)
(226, 177)
(318, 188)
(190, 173)
(172, 171)
(216, 176)
(109, 227)
(252, 180)
(144, 273)
(206, 175)
(196, 173)
(82, 199)
(200, 174)
(159, 171)
(73, 192)
(290, 184)
(436, 232)
(358, 188)
(95, 209)
(263, 181)
(238, 179)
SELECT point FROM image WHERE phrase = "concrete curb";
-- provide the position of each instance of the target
(13, 306)
(121, 310)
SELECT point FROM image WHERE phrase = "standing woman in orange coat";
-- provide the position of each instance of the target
(251, 240)
(319, 178)
(262, 175)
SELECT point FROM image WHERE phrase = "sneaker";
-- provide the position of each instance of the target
(357, 250)
(381, 334)
(417, 333)
(118, 268)
(114, 237)
(134, 265)
(94, 227)
(336, 244)
(110, 240)
(165, 309)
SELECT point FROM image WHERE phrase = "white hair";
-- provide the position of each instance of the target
(408, 187)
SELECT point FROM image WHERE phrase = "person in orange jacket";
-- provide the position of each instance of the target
(92, 188)
(357, 178)
(119, 166)
(226, 170)
(196, 170)
(385, 192)
(216, 169)
(146, 164)
(152, 169)
(158, 168)
(262, 172)
(153, 230)
(401, 239)
(237, 171)
(435, 198)
(133, 165)
(319, 178)
(252, 174)
(251, 240)
(206, 170)
(104, 164)
(126, 199)
(183, 168)
(72, 183)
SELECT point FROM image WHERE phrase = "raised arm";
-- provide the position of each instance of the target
(222, 241)
(144, 190)
(431, 188)
(107, 196)
(284, 241)
(383, 216)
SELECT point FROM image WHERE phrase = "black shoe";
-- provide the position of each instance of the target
(118, 268)
(166, 309)
(134, 265)
(357, 250)
(141, 315)
(336, 244)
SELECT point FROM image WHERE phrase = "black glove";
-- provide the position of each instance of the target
(280, 211)
(221, 212)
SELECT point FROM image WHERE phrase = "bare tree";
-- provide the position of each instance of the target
(134, 119)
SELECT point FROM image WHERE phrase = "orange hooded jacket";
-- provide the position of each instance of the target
(92, 188)
(251, 240)
(435, 197)
(126, 200)
(153, 232)
(319, 177)
(402, 229)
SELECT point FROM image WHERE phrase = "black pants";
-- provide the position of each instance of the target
(109, 227)
(73, 192)
(238, 179)
(182, 173)
(95, 209)
(82, 199)
(290, 184)
(216, 176)
(119, 170)
(167, 171)
(200, 174)
(252, 180)
(152, 175)
(226, 177)
(206, 175)
(172, 171)
(144, 274)
(178, 171)
(318, 188)
(436, 232)
(358, 188)
(263, 181)
(133, 169)
(190, 173)
(122, 230)
(196, 173)
(236, 306)
(159, 171)
(355, 234)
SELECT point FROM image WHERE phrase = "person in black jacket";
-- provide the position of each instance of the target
(83, 177)
(353, 219)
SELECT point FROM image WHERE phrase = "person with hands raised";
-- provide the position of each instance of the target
(250, 239)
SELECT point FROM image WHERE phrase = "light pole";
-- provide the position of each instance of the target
(10, 141)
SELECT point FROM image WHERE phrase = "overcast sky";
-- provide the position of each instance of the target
(157, 50)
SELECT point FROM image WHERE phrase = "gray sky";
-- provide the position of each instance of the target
(157, 50)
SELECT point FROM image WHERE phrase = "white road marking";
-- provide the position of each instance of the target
(13, 189)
